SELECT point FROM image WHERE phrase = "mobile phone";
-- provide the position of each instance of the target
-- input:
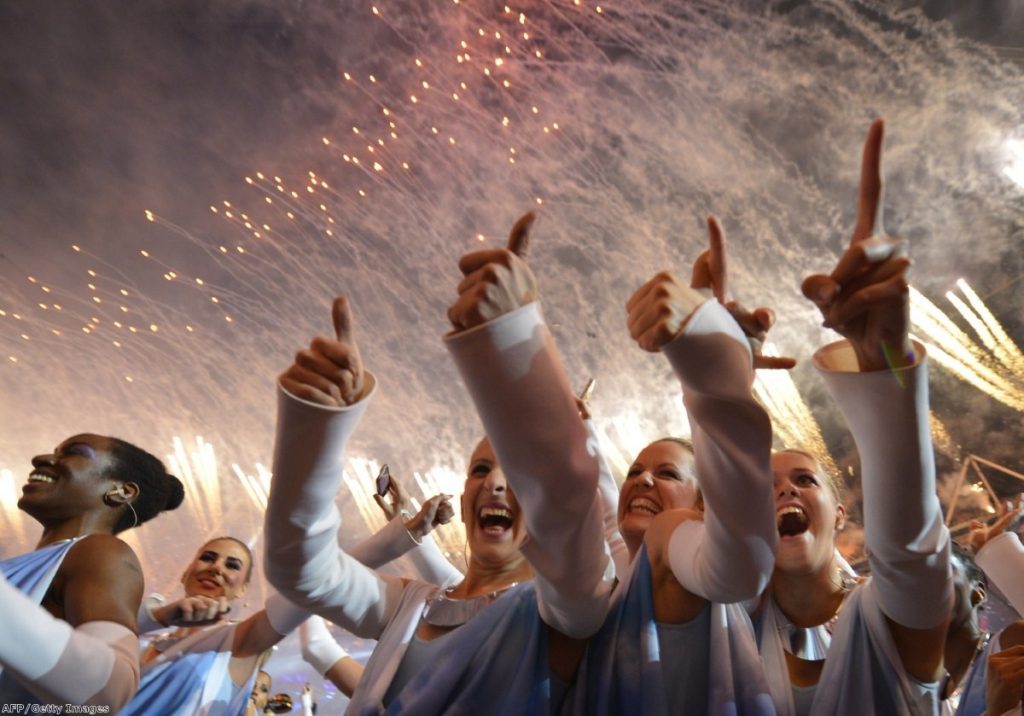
(383, 480)
(588, 390)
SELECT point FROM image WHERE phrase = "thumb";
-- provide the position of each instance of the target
(342, 316)
(519, 237)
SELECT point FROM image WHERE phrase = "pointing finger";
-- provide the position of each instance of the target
(869, 214)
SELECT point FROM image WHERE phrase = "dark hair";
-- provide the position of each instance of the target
(243, 545)
(972, 572)
(158, 490)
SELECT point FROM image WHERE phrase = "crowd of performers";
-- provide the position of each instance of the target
(709, 583)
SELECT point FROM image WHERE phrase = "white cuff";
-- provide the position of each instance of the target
(145, 622)
(97, 663)
(1002, 561)
(319, 648)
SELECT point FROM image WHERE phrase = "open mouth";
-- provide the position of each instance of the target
(644, 506)
(37, 476)
(494, 519)
(791, 521)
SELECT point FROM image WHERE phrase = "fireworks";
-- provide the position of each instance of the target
(623, 123)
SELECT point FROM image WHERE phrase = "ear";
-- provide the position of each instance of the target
(465, 507)
(840, 518)
(120, 494)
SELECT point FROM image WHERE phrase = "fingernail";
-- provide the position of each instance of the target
(826, 293)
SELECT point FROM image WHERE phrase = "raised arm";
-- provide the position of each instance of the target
(91, 656)
(880, 382)
(514, 375)
(729, 556)
(321, 398)
(1000, 555)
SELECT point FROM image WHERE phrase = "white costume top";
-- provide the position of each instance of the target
(511, 369)
(907, 544)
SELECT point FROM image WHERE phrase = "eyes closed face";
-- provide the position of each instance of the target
(219, 570)
(70, 480)
(494, 522)
(806, 514)
(661, 478)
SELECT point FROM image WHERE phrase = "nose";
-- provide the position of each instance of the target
(647, 479)
(44, 460)
(495, 482)
(785, 488)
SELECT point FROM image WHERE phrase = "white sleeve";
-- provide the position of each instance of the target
(385, 545)
(515, 377)
(433, 566)
(608, 489)
(906, 538)
(95, 663)
(394, 541)
(730, 556)
(1002, 561)
(145, 622)
(303, 560)
(319, 649)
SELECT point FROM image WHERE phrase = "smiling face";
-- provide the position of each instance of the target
(661, 478)
(221, 569)
(71, 481)
(495, 528)
(807, 514)
(260, 695)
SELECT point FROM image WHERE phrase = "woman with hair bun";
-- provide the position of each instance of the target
(67, 610)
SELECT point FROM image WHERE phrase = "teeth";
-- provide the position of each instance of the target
(495, 512)
(40, 477)
(790, 509)
(642, 504)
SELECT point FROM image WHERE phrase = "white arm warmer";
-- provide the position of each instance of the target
(906, 539)
(145, 622)
(385, 545)
(1002, 560)
(394, 541)
(95, 663)
(730, 556)
(284, 617)
(432, 566)
(515, 377)
(303, 560)
(608, 489)
(319, 649)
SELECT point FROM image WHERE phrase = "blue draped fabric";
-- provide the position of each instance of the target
(972, 698)
(30, 573)
(622, 672)
(496, 663)
(192, 678)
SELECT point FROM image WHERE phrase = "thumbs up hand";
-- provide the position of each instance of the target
(659, 310)
(496, 281)
(329, 372)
